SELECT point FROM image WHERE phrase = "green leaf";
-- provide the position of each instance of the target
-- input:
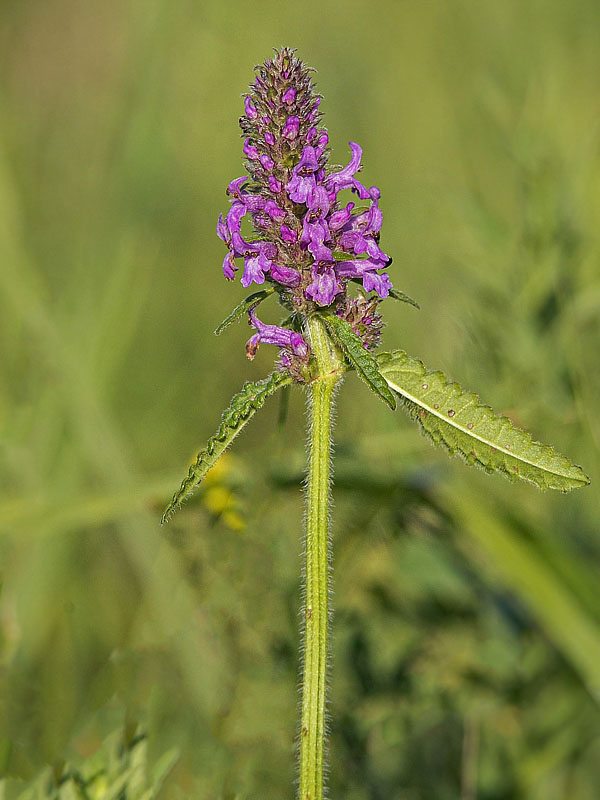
(244, 404)
(396, 294)
(360, 358)
(459, 422)
(242, 308)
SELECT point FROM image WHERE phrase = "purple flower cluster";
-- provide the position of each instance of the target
(306, 241)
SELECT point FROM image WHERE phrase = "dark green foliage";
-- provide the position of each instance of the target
(363, 362)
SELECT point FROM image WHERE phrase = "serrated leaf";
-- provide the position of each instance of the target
(459, 422)
(242, 408)
(396, 294)
(360, 358)
(242, 308)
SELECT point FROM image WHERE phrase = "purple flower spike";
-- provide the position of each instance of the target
(307, 243)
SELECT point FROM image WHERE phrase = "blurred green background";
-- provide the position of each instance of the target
(467, 626)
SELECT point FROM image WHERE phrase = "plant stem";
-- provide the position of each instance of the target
(316, 577)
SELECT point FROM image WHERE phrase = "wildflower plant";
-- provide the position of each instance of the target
(316, 247)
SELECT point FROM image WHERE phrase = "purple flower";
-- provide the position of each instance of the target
(303, 183)
(325, 284)
(229, 267)
(235, 187)
(366, 269)
(289, 95)
(250, 150)
(273, 334)
(250, 108)
(339, 218)
(380, 283)
(287, 234)
(308, 242)
(266, 161)
(254, 270)
(222, 231)
(291, 127)
(234, 217)
(286, 276)
(344, 179)
(273, 210)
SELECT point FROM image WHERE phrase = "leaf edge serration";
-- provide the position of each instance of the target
(362, 360)
(241, 409)
(562, 476)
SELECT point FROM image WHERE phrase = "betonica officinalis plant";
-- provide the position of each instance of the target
(316, 248)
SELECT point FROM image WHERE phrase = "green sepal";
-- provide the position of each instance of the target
(360, 358)
(396, 294)
(243, 405)
(460, 423)
(242, 308)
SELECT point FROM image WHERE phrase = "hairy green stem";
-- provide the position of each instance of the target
(316, 577)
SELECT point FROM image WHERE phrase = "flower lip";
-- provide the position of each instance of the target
(235, 186)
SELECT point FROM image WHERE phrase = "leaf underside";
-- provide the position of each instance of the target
(364, 362)
(242, 408)
(460, 423)
(242, 308)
